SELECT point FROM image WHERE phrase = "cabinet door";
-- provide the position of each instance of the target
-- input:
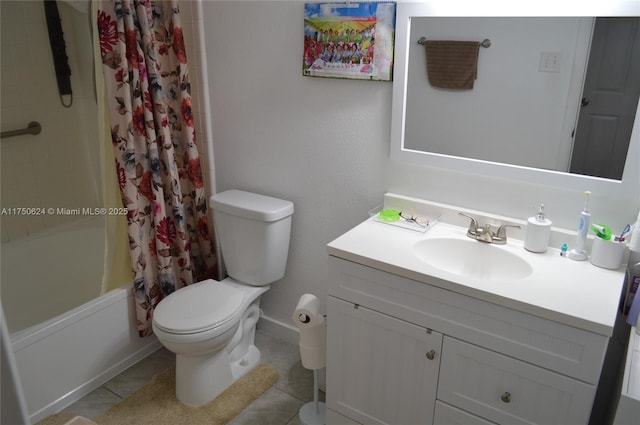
(380, 370)
(449, 415)
(508, 391)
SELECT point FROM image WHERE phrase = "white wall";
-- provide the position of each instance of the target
(324, 144)
(37, 170)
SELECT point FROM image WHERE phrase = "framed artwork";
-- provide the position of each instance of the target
(349, 40)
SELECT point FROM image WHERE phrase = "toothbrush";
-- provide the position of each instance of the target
(602, 231)
(626, 230)
(578, 253)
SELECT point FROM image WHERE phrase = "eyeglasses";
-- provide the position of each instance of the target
(391, 216)
(420, 221)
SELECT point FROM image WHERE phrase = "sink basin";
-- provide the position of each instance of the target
(471, 258)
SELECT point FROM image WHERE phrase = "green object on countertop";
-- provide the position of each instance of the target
(602, 231)
(389, 215)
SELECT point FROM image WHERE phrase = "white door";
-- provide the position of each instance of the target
(610, 99)
(380, 370)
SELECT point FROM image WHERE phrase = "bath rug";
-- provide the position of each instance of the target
(156, 403)
(57, 419)
(65, 418)
(80, 420)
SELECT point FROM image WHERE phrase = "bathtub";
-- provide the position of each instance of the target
(71, 338)
(49, 273)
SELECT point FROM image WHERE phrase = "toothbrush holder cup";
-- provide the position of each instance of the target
(608, 254)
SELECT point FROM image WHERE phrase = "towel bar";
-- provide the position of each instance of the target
(486, 43)
(32, 128)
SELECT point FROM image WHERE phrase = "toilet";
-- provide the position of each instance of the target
(210, 325)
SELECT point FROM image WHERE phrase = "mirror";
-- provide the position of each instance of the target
(526, 102)
(487, 129)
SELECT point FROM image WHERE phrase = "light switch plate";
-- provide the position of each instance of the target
(550, 61)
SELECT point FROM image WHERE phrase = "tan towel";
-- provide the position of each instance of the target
(452, 64)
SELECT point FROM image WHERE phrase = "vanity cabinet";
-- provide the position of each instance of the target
(507, 390)
(383, 370)
(402, 351)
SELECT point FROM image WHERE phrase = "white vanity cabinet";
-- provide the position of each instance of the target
(383, 370)
(507, 390)
(402, 351)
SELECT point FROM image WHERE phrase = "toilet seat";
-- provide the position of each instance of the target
(198, 308)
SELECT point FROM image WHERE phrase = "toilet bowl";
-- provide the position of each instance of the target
(210, 325)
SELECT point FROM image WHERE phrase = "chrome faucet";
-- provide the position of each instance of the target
(485, 233)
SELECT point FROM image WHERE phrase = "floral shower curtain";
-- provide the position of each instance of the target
(156, 157)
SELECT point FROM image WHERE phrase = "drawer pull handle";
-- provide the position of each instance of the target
(431, 355)
(506, 397)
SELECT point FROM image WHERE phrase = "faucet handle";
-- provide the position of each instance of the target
(501, 233)
(473, 226)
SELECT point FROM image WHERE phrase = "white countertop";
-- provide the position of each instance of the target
(575, 293)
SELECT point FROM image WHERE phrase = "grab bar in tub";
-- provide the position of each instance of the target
(32, 128)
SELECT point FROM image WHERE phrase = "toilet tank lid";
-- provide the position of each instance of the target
(251, 205)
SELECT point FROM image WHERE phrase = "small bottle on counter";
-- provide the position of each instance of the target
(538, 232)
(563, 250)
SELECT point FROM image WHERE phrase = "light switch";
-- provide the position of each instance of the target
(550, 61)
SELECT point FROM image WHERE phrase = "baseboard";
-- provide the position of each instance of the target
(284, 331)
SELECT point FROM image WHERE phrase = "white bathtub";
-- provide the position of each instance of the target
(67, 357)
(50, 273)
(79, 338)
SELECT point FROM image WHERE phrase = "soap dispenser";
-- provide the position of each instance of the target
(538, 232)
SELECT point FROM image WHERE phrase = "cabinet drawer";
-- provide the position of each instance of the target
(449, 415)
(565, 349)
(508, 391)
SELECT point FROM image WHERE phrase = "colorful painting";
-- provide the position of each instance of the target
(349, 40)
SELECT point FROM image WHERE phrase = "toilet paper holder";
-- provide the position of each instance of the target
(313, 341)
(303, 318)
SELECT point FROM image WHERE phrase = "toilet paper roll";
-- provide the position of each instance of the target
(313, 332)
(313, 346)
(307, 312)
(315, 336)
(313, 358)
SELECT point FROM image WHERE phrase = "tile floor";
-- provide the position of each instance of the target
(279, 405)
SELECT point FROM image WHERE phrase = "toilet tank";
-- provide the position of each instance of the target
(254, 232)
